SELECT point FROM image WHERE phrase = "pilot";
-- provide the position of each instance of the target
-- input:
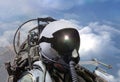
(58, 47)
(59, 44)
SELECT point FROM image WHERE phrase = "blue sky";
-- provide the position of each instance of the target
(98, 20)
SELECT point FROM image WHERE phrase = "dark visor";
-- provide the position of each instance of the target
(66, 40)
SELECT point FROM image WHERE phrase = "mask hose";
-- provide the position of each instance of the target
(73, 72)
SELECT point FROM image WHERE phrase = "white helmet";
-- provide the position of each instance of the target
(60, 39)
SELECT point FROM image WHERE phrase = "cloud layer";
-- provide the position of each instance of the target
(97, 40)
(18, 8)
(108, 77)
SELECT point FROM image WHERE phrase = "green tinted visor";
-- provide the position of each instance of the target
(66, 40)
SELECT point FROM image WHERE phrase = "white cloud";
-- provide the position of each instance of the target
(97, 40)
(11, 8)
(108, 77)
(5, 39)
(31, 8)
(9, 29)
(26, 8)
(57, 4)
(9, 25)
(7, 32)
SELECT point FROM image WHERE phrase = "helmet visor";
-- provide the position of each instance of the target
(66, 40)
